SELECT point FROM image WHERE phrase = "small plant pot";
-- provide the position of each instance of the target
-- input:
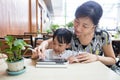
(16, 66)
(14, 73)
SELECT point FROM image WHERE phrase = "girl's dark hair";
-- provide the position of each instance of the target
(63, 35)
(90, 9)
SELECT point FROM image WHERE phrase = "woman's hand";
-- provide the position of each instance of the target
(72, 59)
(86, 57)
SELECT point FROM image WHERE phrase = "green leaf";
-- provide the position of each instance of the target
(15, 46)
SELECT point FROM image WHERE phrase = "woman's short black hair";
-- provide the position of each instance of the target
(63, 35)
(90, 9)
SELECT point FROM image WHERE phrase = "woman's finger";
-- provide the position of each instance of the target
(81, 56)
(86, 61)
(83, 59)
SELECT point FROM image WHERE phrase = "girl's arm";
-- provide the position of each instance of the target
(39, 51)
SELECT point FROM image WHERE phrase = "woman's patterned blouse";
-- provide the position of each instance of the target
(100, 39)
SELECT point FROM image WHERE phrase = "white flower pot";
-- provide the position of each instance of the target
(16, 66)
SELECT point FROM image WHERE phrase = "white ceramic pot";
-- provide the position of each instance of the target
(16, 66)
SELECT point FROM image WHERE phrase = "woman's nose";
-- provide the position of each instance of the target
(79, 28)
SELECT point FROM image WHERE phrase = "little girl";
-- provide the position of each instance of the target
(61, 41)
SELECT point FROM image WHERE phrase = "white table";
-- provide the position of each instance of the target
(78, 71)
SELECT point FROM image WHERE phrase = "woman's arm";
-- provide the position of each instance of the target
(107, 59)
(109, 54)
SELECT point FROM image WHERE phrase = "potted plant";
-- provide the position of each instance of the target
(14, 52)
(69, 24)
(48, 31)
(54, 27)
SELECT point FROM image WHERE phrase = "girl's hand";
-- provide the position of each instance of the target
(38, 53)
